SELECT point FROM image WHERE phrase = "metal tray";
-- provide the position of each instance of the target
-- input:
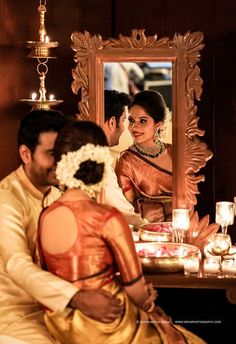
(154, 257)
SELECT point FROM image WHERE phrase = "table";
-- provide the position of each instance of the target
(179, 280)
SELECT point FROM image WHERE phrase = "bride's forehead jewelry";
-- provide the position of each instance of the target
(70, 164)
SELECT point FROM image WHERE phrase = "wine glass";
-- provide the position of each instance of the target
(180, 223)
(225, 215)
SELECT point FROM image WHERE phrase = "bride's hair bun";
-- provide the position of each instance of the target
(90, 172)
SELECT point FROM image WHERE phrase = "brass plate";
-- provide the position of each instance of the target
(147, 234)
(165, 264)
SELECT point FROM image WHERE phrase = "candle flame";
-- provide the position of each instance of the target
(181, 219)
(34, 96)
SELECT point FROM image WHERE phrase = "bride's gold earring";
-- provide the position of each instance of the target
(156, 135)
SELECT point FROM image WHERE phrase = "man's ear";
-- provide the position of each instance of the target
(112, 123)
(25, 154)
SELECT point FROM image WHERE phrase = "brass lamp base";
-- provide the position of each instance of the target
(41, 49)
(40, 104)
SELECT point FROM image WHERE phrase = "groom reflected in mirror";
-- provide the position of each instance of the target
(115, 108)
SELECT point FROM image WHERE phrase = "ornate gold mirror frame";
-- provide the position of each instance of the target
(189, 153)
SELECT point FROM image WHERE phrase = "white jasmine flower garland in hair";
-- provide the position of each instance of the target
(70, 164)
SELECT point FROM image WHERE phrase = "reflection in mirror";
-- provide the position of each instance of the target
(150, 189)
(131, 77)
(144, 170)
(190, 154)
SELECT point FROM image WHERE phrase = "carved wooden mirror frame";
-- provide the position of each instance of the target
(189, 153)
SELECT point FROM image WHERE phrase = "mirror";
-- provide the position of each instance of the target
(190, 154)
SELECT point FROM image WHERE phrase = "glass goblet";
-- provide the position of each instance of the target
(225, 215)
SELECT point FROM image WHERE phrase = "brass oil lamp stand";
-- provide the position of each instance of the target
(41, 50)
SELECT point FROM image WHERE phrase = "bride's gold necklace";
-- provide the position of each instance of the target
(151, 152)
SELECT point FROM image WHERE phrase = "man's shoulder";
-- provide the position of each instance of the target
(10, 187)
(8, 182)
(53, 195)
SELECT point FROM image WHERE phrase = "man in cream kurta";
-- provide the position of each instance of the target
(21, 202)
(115, 197)
(25, 289)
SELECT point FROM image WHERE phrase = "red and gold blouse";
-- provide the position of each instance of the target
(99, 251)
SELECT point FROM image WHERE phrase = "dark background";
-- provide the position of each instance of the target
(215, 18)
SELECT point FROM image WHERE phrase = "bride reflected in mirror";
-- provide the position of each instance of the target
(144, 170)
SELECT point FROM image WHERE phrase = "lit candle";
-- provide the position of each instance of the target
(46, 39)
(180, 223)
(34, 96)
(220, 243)
(135, 236)
(51, 97)
(191, 265)
(180, 218)
(211, 265)
(229, 267)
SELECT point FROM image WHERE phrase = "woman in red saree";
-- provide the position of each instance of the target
(144, 171)
(90, 244)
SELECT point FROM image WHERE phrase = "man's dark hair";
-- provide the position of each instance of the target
(37, 122)
(115, 103)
